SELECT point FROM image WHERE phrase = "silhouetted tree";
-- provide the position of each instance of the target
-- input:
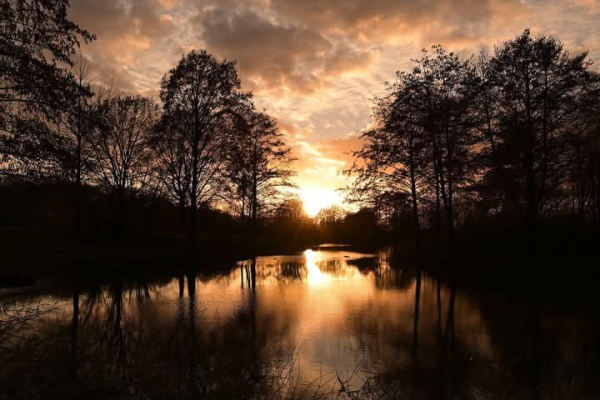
(422, 140)
(36, 38)
(173, 165)
(512, 131)
(199, 92)
(330, 215)
(79, 123)
(392, 157)
(393, 209)
(52, 145)
(121, 149)
(259, 165)
(42, 117)
(541, 97)
(451, 87)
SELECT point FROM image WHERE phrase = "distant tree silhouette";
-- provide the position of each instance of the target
(583, 182)
(173, 165)
(330, 215)
(259, 165)
(198, 94)
(289, 223)
(120, 145)
(422, 140)
(291, 208)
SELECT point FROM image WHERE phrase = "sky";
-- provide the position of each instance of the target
(315, 65)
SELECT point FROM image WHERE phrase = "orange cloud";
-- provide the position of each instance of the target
(272, 54)
(377, 20)
(125, 33)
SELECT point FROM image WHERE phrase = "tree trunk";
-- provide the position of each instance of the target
(119, 205)
(193, 232)
(254, 209)
(529, 164)
(450, 190)
(415, 209)
(181, 214)
(77, 197)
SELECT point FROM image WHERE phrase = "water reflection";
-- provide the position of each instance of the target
(321, 323)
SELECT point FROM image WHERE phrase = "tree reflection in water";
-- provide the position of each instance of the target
(322, 323)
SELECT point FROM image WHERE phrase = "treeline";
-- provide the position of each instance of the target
(511, 138)
(205, 146)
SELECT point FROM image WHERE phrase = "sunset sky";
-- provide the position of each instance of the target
(314, 64)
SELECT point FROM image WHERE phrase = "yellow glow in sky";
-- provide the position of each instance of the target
(314, 199)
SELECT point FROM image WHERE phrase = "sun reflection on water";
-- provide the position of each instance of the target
(314, 275)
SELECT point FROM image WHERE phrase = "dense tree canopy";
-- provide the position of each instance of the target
(259, 164)
(36, 39)
(510, 133)
(199, 95)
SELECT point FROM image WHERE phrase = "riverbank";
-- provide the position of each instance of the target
(30, 256)
(557, 266)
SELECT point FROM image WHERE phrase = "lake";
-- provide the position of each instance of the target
(327, 322)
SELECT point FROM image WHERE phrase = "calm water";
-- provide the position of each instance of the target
(323, 323)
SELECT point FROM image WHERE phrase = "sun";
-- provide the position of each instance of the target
(314, 199)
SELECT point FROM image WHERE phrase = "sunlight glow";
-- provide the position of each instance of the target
(314, 274)
(314, 199)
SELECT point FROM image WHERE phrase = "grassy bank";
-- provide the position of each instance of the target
(32, 255)
(557, 266)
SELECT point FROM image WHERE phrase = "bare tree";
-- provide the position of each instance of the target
(173, 165)
(330, 215)
(198, 93)
(121, 149)
(259, 165)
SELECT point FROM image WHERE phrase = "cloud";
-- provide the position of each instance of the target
(592, 5)
(320, 163)
(387, 20)
(302, 46)
(112, 19)
(126, 31)
(282, 46)
(346, 59)
(275, 55)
